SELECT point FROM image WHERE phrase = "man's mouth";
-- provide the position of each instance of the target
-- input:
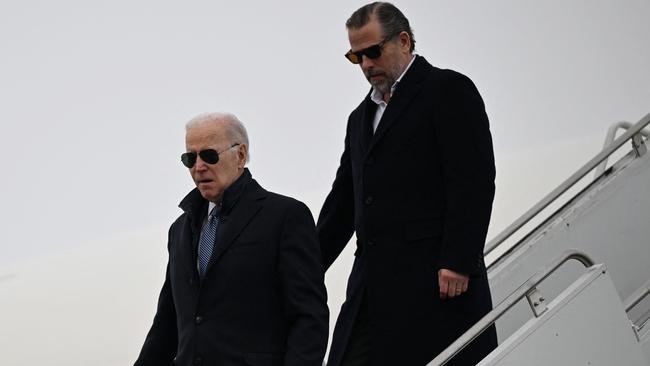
(376, 77)
(204, 181)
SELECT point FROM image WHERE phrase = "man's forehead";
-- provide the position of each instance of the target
(365, 36)
(204, 134)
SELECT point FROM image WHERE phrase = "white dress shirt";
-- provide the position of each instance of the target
(377, 97)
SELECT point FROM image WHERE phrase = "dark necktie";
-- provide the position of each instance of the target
(208, 237)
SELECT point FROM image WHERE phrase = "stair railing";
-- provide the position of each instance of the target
(528, 289)
(611, 134)
(634, 132)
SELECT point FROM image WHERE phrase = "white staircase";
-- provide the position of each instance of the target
(573, 317)
(584, 325)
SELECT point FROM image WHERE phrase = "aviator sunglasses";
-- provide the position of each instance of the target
(209, 156)
(373, 52)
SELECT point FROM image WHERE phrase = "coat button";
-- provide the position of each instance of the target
(368, 200)
(198, 320)
(370, 160)
(198, 361)
(371, 243)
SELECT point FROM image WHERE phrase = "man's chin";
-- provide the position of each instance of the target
(208, 194)
(382, 86)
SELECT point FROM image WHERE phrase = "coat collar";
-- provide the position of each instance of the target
(404, 93)
(195, 205)
(234, 221)
(241, 202)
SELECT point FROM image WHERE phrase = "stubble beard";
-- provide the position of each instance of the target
(383, 85)
(390, 76)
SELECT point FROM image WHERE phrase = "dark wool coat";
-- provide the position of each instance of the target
(418, 193)
(262, 301)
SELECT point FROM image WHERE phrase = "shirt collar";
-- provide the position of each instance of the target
(377, 97)
(211, 206)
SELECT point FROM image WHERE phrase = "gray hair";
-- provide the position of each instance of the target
(391, 19)
(234, 127)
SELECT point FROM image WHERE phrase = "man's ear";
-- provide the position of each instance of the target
(242, 155)
(405, 41)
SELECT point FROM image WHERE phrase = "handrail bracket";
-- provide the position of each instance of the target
(536, 301)
(639, 145)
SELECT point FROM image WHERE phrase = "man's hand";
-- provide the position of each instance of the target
(451, 283)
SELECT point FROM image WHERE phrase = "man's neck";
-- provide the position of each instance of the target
(386, 96)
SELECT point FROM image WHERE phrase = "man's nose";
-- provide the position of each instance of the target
(200, 165)
(366, 62)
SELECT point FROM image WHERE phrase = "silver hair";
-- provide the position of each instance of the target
(235, 128)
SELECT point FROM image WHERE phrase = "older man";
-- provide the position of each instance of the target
(244, 282)
(416, 183)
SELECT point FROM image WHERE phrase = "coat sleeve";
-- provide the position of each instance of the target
(160, 345)
(302, 281)
(336, 218)
(467, 157)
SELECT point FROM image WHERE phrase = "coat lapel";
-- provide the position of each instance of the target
(195, 208)
(192, 241)
(232, 224)
(404, 94)
(369, 110)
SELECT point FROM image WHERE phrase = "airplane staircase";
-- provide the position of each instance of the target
(596, 313)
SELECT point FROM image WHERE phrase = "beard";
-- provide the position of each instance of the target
(387, 79)
(383, 85)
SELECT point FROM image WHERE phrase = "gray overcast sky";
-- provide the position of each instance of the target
(94, 97)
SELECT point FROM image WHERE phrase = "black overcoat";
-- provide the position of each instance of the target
(418, 193)
(262, 301)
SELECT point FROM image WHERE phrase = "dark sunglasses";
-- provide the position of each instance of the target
(209, 156)
(372, 52)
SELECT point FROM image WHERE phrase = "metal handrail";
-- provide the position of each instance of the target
(506, 304)
(642, 293)
(566, 185)
(611, 134)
